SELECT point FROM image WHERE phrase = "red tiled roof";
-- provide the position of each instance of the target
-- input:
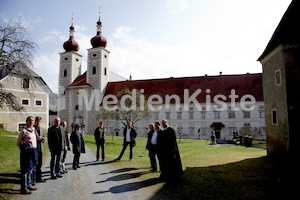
(242, 84)
(79, 81)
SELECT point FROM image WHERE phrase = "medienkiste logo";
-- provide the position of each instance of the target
(92, 100)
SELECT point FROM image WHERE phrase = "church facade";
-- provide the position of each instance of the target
(193, 122)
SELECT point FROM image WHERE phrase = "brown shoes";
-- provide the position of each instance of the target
(25, 191)
(32, 188)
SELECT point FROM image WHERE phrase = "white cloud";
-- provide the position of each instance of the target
(194, 57)
(223, 39)
(144, 59)
(47, 66)
(176, 5)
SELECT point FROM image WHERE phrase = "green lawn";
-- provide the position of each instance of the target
(210, 171)
(9, 160)
(10, 163)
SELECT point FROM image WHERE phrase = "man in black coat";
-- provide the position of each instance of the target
(78, 145)
(152, 144)
(99, 135)
(129, 139)
(168, 151)
(57, 143)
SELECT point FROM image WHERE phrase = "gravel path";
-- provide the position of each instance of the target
(95, 180)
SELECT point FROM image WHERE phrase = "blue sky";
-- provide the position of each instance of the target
(153, 39)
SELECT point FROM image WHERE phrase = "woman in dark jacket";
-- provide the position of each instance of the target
(78, 145)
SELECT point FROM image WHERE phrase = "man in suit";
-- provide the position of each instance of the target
(129, 139)
(57, 143)
(63, 169)
(40, 138)
(152, 144)
(99, 135)
(168, 151)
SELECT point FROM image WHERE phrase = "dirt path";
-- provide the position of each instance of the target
(95, 180)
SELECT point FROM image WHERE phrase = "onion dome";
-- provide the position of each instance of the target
(71, 44)
(99, 40)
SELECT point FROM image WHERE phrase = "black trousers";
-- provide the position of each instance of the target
(152, 155)
(124, 148)
(76, 160)
(55, 163)
(102, 151)
(39, 166)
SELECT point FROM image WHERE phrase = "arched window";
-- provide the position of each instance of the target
(94, 70)
(105, 73)
(65, 73)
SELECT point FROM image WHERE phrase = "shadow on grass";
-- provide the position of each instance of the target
(257, 178)
(6, 180)
(13, 178)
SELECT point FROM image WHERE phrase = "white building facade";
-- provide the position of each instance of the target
(191, 123)
(32, 94)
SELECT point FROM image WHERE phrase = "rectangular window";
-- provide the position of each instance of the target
(274, 117)
(203, 114)
(178, 115)
(203, 132)
(156, 116)
(25, 102)
(21, 126)
(231, 115)
(26, 83)
(246, 114)
(261, 114)
(191, 115)
(167, 115)
(38, 103)
(4, 126)
(232, 130)
(247, 124)
(217, 115)
(191, 130)
(278, 77)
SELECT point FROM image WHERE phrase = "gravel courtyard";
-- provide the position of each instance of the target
(95, 180)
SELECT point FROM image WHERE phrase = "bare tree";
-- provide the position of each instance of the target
(245, 131)
(253, 132)
(139, 112)
(16, 54)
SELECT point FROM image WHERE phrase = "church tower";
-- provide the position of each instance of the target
(69, 69)
(98, 57)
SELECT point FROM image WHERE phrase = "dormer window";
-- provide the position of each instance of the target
(26, 83)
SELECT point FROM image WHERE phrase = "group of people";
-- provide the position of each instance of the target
(161, 144)
(58, 141)
(31, 144)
